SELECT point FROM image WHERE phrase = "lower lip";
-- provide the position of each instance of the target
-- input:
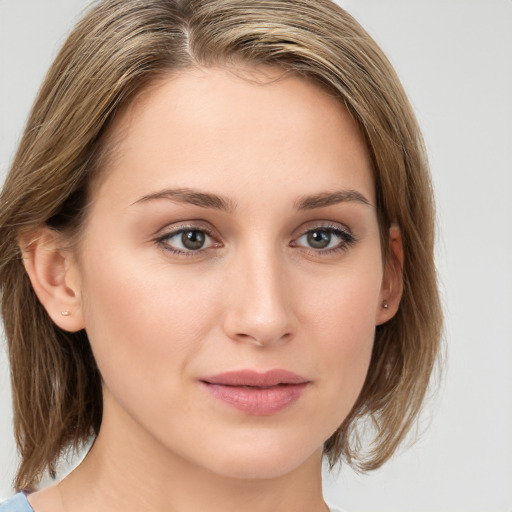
(258, 401)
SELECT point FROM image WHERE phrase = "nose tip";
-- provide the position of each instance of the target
(259, 310)
(261, 338)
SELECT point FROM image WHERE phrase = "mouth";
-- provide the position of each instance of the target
(256, 393)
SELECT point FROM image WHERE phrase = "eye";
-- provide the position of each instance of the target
(325, 239)
(187, 240)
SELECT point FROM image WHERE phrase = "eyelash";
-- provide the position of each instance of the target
(164, 239)
(347, 240)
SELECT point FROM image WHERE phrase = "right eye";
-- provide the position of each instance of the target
(187, 240)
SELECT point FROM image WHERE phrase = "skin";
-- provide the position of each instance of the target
(256, 295)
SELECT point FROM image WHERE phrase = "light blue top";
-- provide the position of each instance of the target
(19, 503)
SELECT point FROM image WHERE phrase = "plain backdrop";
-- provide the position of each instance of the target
(455, 60)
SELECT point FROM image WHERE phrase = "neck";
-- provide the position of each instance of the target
(143, 475)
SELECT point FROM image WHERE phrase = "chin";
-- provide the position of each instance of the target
(263, 460)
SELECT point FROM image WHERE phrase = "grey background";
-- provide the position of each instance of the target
(455, 60)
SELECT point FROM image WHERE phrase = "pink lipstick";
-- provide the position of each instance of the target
(257, 393)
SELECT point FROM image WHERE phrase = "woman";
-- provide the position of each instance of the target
(216, 259)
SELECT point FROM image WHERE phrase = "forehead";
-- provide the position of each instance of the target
(242, 127)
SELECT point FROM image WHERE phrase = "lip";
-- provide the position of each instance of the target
(257, 393)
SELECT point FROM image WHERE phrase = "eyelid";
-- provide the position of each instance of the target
(323, 224)
(173, 230)
(199, 225)
(348, 238)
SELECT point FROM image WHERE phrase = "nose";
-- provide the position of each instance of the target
(259, 306)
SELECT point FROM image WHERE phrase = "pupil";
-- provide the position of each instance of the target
(319, 239)
(192, 239)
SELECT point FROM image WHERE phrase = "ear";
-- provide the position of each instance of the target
(54, 277)
(392, 282)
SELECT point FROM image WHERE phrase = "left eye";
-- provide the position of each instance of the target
(322, 239)
(187, 240)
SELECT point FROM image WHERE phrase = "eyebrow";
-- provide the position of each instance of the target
(190, 196)
(325, 199)
(216, 202)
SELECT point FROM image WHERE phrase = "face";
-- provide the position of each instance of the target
(231, 271)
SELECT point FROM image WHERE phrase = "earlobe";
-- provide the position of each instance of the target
(392, 283)
(54, 277)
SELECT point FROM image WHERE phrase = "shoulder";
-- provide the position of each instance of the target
(17, 503)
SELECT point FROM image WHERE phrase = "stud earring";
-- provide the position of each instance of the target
(65, 313)
(385, 305)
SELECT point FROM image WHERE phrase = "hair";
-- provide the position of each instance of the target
(117, 51)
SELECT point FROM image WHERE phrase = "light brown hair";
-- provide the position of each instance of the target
(118, 49)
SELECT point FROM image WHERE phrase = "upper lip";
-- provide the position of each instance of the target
(254, 378)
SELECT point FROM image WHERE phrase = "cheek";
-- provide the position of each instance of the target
(341, 317)
(349, 338)
(343, 303)
(145, 319)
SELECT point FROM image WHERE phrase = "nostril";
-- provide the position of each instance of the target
(251, 339)
(262, 341)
